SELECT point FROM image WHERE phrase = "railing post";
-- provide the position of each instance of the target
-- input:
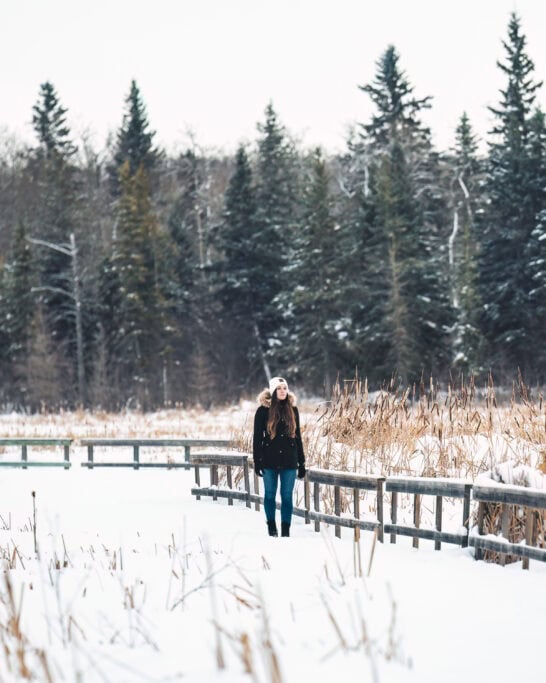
(481, 515)
(307, 498)
(466, 514)
(197, 480)
(187, 455)
(135, 457)
(416, 516)
(316, 502)
(394, 513)
(380, 510)
(229, 483)
(256, 491)
(24, 455)
(356, 511)
(67, 455)
(438, 544)
(337, 509)
(529, 529)
(90, 457)
(247, 482)
(214, 480)
(505, 528)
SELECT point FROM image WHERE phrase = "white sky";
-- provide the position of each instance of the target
(211, 66)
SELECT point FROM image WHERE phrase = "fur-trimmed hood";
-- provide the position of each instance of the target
(264, 399)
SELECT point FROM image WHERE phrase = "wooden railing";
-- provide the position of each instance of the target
(213, 461)
(137, 444)
(508, 496)
(533, 500)
(339, 480)
(419, 486)
(27, 443)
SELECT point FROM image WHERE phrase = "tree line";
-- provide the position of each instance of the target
(131, 277)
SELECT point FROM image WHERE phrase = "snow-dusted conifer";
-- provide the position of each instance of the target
(315, 311)
(511, 213)
(408, 312)
(467, 200)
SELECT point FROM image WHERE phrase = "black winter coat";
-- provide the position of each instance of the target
(281, 453)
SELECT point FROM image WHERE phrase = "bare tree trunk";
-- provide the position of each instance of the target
(71, 251)
(265, 364)
(79, 325)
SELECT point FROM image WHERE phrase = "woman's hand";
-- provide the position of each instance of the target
(301, 471)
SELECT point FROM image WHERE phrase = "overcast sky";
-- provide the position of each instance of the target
(211, 66)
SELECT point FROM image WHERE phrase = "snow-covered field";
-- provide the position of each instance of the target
(125, 578)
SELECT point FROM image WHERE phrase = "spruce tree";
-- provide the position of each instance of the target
(408, 313)
(134, 142)
(17, 309)
(467, 200)
(276, 221)
(19, 299)
(510, 216)
(535, 253)
(50, 125)
(240, 270)
(316, 312)
(53, 215)
(132, 305)
(193, 305)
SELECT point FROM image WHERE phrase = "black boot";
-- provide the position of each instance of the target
(272, 528)
(285, 529)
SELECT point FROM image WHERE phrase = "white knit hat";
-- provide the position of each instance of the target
(274, 383)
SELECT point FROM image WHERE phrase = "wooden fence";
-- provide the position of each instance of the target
(440, 488)
(213, 461)
(40, 443)
(530, 501)
(509, 496)
(92, 444)
(347, 480)
(137, 444)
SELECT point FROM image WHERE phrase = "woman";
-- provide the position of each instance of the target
(278, 450)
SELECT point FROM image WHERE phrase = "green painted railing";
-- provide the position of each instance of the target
(27, 443)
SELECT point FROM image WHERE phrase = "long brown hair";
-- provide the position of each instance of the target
(281, 410)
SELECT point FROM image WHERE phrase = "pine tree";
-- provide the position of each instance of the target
(53, 216)
(134, 143)
(463, 243)
(535, 253)
(240, 270)
(408, 313)
(511, 213)
(276, 220)
(16, 315)
(132, 305)
(192, 303)
(316, 312)
(50, 125)
(18, 299)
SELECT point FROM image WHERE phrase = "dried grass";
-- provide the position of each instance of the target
(422, 431)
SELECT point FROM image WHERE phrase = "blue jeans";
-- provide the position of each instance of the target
(288, 479)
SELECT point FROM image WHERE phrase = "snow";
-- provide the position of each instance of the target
(133, 574)
(514, 475)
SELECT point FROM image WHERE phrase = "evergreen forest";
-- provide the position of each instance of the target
(130, 277)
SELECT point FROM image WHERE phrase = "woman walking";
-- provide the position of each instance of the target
(278, 450)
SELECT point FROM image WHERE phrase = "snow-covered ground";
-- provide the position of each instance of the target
(125, 577)
(134, 580)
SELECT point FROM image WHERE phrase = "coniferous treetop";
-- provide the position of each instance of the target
(518, 97)
(392, 94)
(135, 139)
(49, 121)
